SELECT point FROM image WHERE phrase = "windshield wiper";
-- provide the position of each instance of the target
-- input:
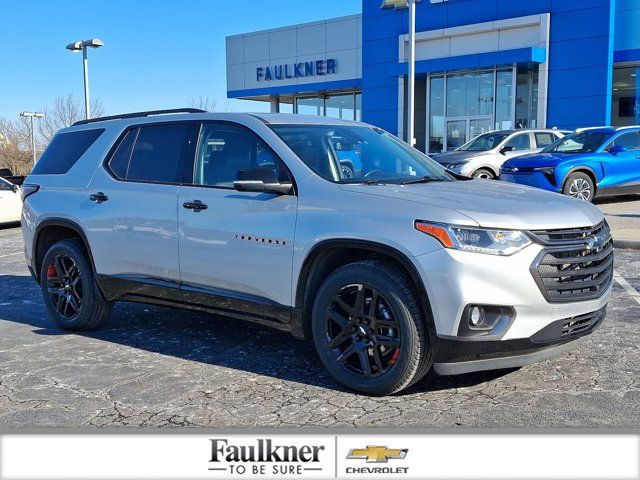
(424, 180)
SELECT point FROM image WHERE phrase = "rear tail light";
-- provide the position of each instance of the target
(28, 189)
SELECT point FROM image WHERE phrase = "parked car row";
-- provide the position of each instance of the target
(585, 164)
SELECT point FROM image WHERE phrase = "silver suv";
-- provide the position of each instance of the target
(391, 270)
(483, 156)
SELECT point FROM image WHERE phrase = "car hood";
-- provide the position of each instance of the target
(491, 203)
(456, 157)
(540, 160)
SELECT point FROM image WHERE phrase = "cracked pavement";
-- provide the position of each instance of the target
(157, 367)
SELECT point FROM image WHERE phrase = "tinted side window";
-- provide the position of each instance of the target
(225, 151)
(119, 163)
(64, 151)
(157, 153)
(544, 139)
(520, 142)
(629, 140)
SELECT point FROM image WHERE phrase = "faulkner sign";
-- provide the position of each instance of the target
(315, 68)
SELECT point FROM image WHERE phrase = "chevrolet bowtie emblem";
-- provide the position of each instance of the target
(375, 454)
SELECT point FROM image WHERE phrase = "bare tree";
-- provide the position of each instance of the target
(66, 110)
(15, 145)
(208, 104)
(204, 103)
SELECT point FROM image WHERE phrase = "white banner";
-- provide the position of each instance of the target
(285, 456)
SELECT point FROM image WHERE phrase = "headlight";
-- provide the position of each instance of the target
(478, 240)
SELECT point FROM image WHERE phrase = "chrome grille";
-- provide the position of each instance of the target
(575, 265)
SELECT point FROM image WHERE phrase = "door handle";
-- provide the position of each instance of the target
(196, 206)
(98, 197)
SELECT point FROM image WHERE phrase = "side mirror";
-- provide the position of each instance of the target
(15, 187)
(507, 148)
(261, 180)
(618, 149)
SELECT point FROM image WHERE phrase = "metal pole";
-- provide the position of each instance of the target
(33, 141)
(85, 65)
(412, 73)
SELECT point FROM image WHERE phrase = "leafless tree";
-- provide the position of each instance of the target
(15, 145)
(66, 110)
(207, 104)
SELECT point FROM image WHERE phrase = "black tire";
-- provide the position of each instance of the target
(409, 361)
(579, 185)
(484, 173)
(72, 301)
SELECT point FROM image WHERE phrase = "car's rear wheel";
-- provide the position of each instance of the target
(69, 290)
(579, 185)
(484, 173)
(369, 329)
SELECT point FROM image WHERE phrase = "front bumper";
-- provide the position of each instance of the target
(455, 279)
(454, 357)
(531, 179)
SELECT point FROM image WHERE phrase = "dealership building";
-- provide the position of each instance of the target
(481, 65)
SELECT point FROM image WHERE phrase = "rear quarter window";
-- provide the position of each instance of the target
(64, 151)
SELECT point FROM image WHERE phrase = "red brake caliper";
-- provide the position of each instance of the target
(394, 359)
(52, 272)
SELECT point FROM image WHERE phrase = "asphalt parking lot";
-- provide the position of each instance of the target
(156, 367)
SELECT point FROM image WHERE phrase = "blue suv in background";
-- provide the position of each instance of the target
(588, 163)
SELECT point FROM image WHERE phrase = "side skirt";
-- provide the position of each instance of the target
(225, 303)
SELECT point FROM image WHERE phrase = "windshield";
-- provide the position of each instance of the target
(357, 154)
(584, 142)
(485, 142)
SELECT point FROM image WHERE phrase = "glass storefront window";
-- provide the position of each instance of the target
(340, 106)
(286, 107)
(504, 100)
(527, 99)
(347, 106)
(625, 109)
(436, 114)
(465, 105)
(310, 106)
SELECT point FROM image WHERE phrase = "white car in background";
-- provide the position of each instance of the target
(483, 156)
(10, 202)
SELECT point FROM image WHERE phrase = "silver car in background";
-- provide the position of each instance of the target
(483, 156)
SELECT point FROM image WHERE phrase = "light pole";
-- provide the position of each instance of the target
(411, 87)
(82, 45)
(31, 116)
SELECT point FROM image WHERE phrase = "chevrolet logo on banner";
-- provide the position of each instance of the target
(375, 454)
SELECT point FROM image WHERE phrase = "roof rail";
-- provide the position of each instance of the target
(628, 127)
(140, 114)
(586, 129)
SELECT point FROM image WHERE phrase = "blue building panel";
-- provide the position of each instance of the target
(580, 57)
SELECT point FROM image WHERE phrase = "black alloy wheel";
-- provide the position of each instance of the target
(64, 284)
(370, 329)
(362, 331)
(71, 296)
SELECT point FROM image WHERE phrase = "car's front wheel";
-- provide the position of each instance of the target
(69, 290)
(369, 329)
(484, 173)
(579, 185)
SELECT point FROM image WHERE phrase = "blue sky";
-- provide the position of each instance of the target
(157, 53)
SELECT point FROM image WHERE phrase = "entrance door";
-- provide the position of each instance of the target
(456, 134)
(463, 130)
